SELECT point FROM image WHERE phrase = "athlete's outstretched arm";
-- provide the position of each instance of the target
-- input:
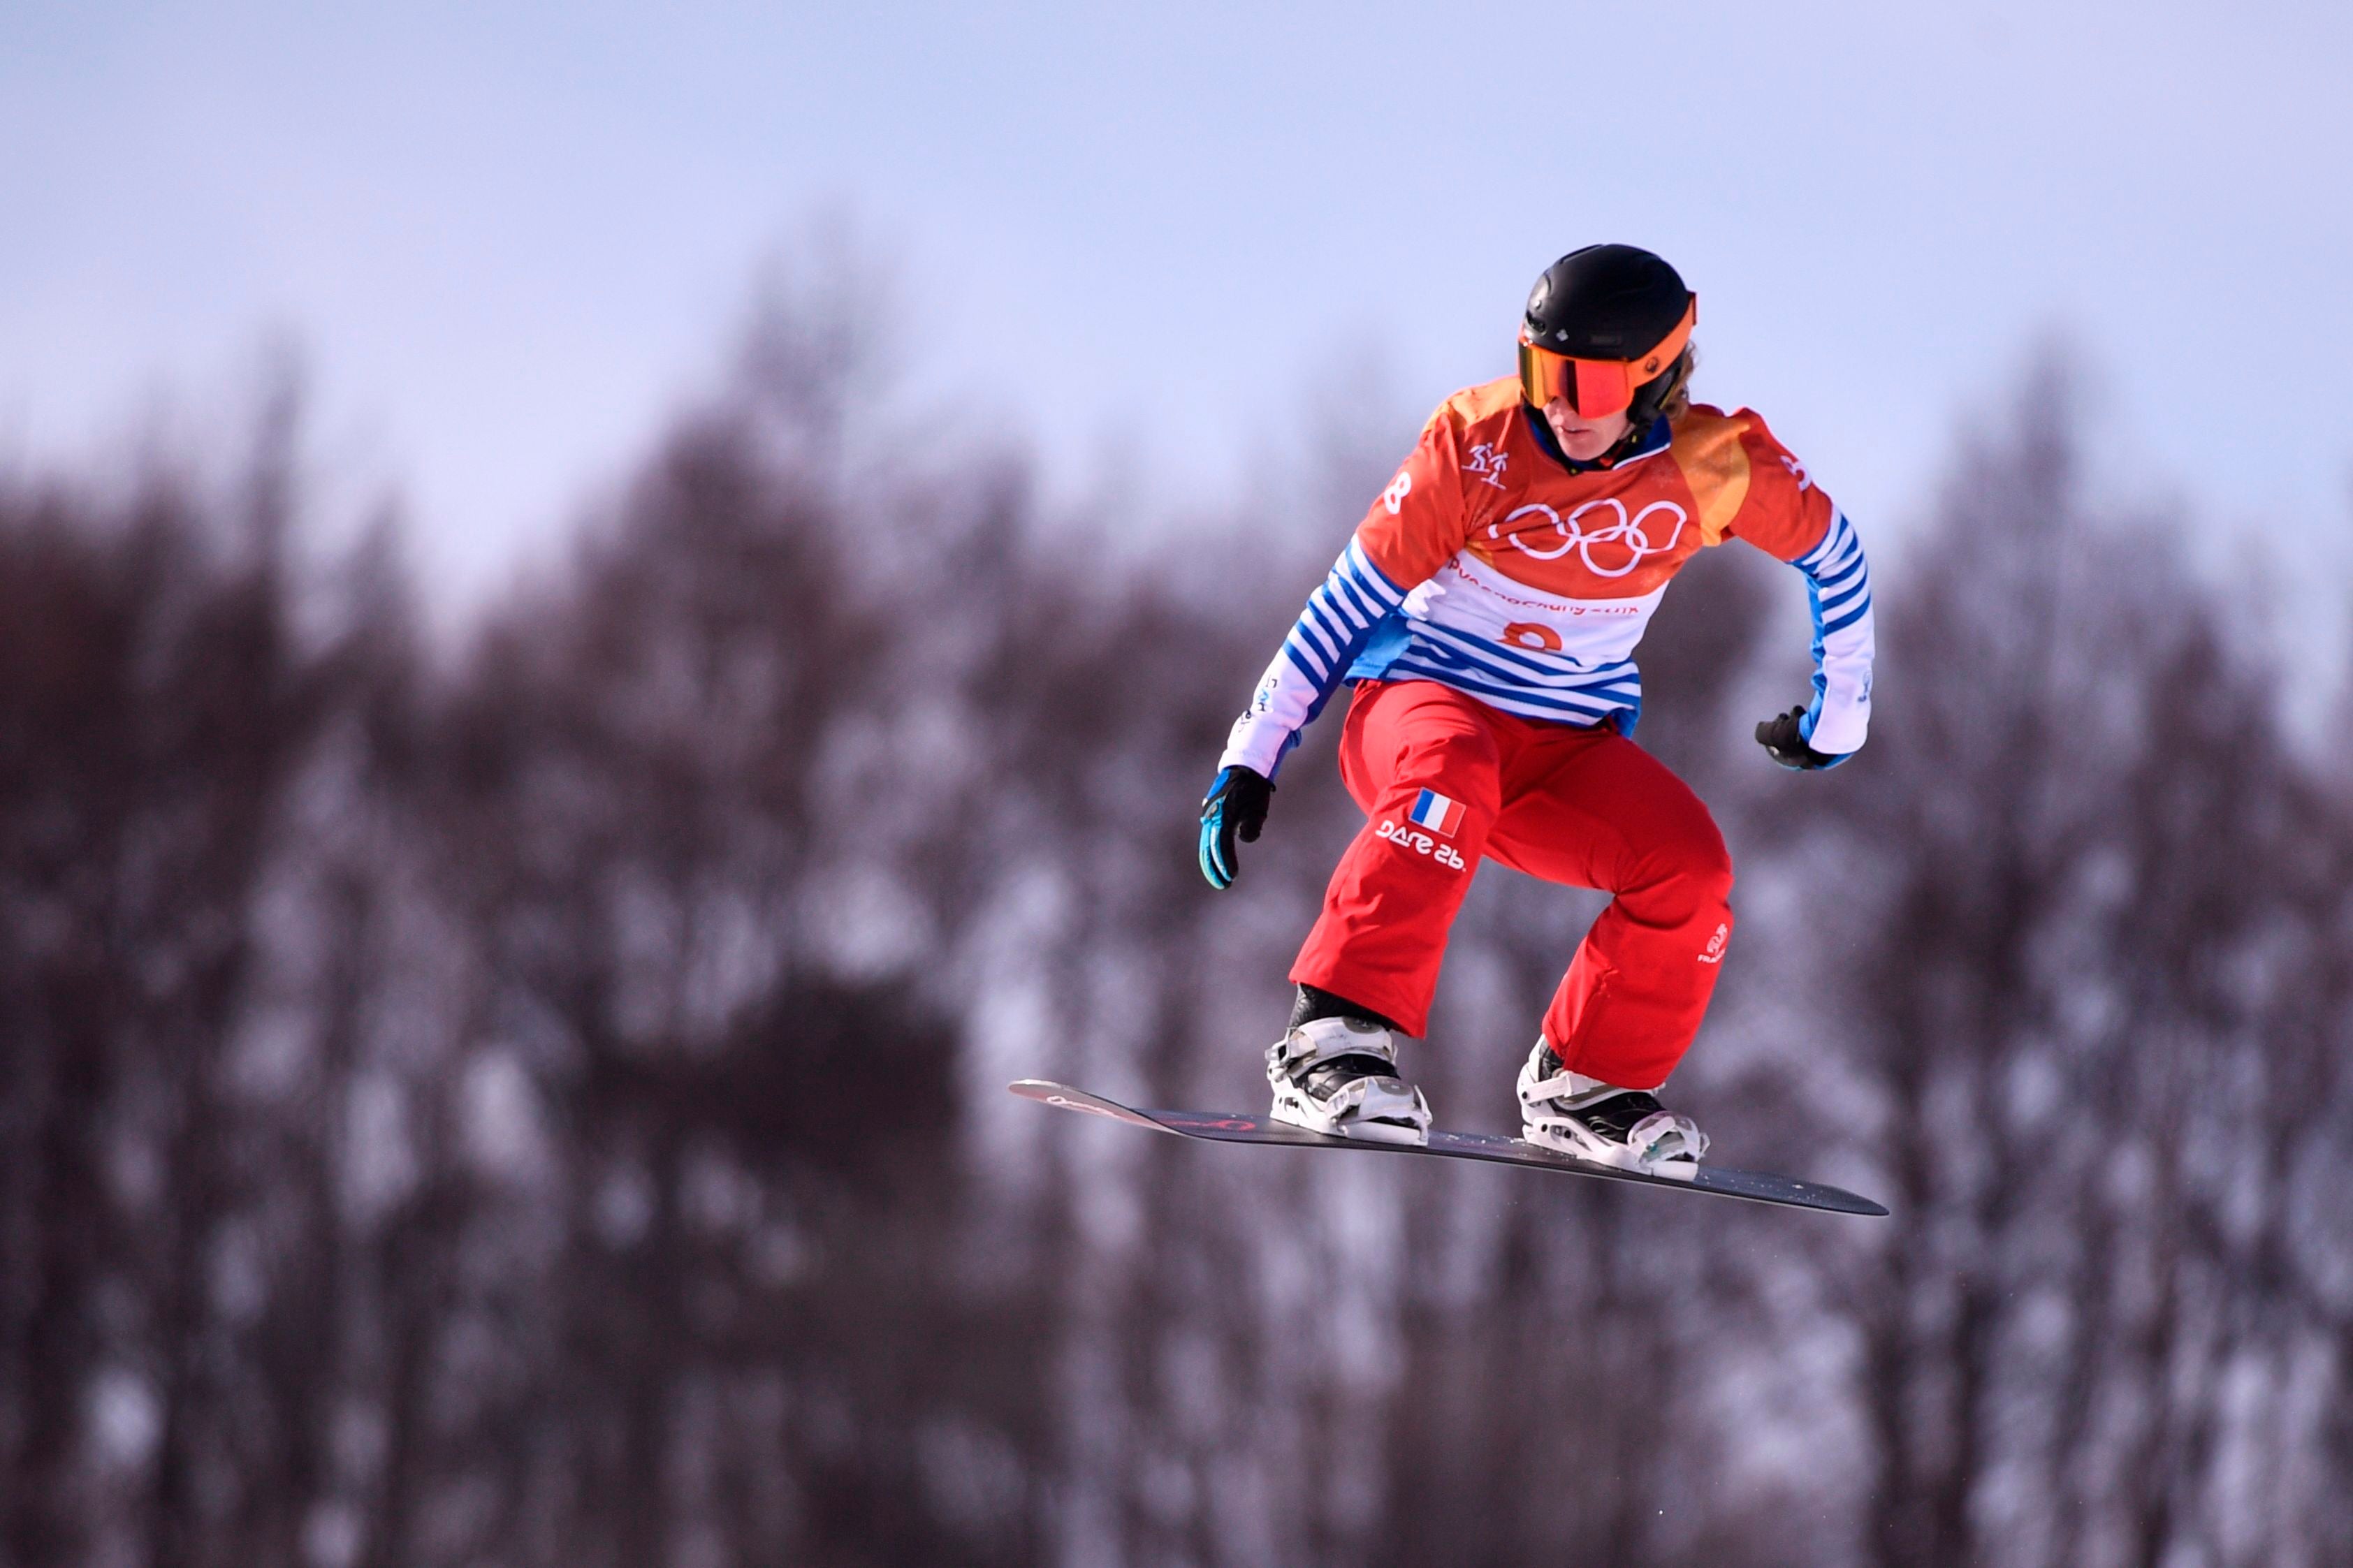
(1831, 727)
(1341, 613)
(1415, 525)
(1354, 596)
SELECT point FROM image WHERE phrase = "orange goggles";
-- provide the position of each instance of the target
(1597, 386)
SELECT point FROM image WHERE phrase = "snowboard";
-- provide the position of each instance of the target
(1235, 1127)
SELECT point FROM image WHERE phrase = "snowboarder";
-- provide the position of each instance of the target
(1486, 612)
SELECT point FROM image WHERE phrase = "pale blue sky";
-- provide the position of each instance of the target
(510, 237)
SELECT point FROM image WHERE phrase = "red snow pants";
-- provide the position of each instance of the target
(1445, 780)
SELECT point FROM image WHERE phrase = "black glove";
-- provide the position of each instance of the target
(1235, 808)
(1778, 735)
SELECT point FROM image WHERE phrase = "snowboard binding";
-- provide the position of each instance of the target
(1339, 1077)
(1626, 1128)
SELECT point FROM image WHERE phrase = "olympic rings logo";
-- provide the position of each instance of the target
(1627, 530)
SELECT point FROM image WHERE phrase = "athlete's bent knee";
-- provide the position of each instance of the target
(1695, 862)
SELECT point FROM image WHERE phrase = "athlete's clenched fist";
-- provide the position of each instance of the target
(1234, 808)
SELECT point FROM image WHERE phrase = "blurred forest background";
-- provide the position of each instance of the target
(539, 1101)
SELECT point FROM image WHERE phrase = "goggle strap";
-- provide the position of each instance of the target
(1655, 362)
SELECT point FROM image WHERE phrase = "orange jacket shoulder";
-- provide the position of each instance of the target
(1474, 405)
(1715, 462)
(1786, 515)
(1421, 519)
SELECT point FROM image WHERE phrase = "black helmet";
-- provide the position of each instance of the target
(1606, 301)
(1615, 321)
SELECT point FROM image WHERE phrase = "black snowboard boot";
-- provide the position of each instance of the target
(1335, 1071)
(1598, 1121)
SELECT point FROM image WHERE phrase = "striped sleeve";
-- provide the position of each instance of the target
(1354, 598)
(1838, 587)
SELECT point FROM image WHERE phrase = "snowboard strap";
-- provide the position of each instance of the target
(1327, 1039)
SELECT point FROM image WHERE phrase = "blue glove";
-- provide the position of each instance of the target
(1235, 808)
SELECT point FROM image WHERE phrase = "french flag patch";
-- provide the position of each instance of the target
(1437, 813)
